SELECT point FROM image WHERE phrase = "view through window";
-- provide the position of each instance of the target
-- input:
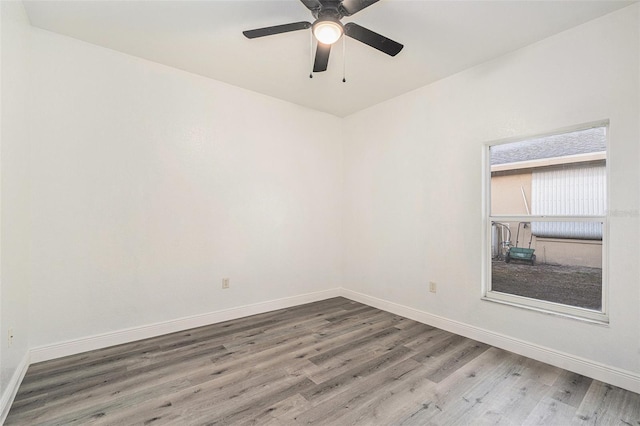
(548, 202)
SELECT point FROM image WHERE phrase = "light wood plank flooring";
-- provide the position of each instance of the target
(334, 362)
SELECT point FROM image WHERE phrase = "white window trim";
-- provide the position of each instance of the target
(573, 312)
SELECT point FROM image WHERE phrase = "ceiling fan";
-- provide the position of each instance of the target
(327, 29)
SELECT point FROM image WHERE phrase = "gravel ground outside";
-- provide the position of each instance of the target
(570, 285)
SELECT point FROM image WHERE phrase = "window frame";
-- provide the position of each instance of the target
(589, 315)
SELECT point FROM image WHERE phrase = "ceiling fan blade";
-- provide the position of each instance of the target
(349, 7)
(312, 4)
(277, 29)
(375, 40)
(322, 57)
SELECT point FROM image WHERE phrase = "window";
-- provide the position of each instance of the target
(546, 222)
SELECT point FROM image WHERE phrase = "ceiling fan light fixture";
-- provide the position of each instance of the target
(327, 31)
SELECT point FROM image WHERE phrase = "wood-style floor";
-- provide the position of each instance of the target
(334, 362)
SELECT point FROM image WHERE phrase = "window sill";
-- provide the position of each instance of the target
(549, 308)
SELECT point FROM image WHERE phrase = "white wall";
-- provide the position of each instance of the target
(14, 193)
(413, 210)
(151, 184)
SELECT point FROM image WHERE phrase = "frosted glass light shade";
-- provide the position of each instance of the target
(327, 32)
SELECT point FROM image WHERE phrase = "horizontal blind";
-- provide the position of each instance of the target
(569, 191)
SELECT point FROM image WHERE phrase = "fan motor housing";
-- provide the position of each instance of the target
(331, 9)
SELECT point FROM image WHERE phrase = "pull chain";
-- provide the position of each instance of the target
(311, 54)
(344, 58)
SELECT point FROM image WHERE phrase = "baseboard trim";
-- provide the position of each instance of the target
(617, 377)
(72, 347)
(12, 387)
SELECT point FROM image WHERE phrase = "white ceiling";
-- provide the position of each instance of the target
(205, 37)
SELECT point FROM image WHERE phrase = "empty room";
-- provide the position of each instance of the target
(332, 212)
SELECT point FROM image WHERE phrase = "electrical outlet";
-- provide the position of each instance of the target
(225, 283)
(10, 337)
(433, 287)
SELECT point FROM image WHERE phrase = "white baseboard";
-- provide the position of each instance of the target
(617, 377)
(12, 388)
(58, 350)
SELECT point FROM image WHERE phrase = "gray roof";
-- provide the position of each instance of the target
(579, 142)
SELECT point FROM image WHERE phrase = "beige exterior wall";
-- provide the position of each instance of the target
(506, 192)
(507, 199)
(569, 252)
